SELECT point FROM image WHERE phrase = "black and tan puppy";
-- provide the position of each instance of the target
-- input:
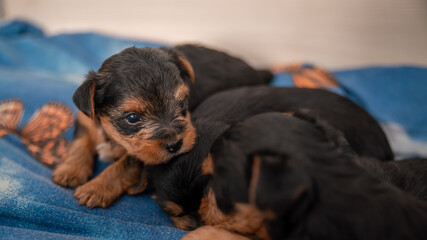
(180, 185)
(282, 177)
(135, 108)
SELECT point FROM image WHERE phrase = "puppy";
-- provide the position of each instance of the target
(181, 184)
(280, 177)
(136, 109)
(361, 130)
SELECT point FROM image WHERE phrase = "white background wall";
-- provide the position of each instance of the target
(332, 33)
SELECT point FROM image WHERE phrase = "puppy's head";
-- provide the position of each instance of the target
(140, 98)
(270, 161)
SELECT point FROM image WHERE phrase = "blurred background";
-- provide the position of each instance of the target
(335, 34)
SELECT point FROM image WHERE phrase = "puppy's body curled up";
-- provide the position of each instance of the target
(293, 175)
(136, 108)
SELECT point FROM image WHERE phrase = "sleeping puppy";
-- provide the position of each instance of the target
(181, 183)
(136, 109)
(361, 130)
(280, 177)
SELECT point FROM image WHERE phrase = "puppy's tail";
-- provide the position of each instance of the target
(265, 76)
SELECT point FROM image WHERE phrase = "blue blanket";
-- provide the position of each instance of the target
(38, 69)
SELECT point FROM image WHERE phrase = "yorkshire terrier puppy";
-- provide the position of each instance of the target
(136, 108)
(282, 177)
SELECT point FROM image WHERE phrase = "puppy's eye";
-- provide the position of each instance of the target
(133, 118)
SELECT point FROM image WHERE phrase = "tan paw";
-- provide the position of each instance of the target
(72, 176)
(93, 194)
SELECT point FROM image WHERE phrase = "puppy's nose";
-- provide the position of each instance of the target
(173, 147)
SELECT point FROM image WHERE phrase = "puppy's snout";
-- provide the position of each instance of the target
(174, 146)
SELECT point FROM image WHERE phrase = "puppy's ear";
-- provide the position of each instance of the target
(184, 66)
(84, 96)
(332, 134)
(283, 184)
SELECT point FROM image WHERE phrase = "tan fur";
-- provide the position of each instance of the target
(133, 104)
(172, 208)
(141, 185)
(149, 151)
(256, 165)
(189, 68)
(212, 233)
(115, 180)
(246, 219)
(184, 222)
(78, 166)
(209, 211)
(181, 92)
(92, 99)
(207, 165)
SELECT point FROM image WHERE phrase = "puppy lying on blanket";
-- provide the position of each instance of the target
(362, 131)
(181, 184)
(136, 109)
(280, 177)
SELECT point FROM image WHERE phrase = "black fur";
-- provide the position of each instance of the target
(216, 71)
(410, 175)
(360, 129)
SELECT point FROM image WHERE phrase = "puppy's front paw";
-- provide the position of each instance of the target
(93, 194)
(71, 175)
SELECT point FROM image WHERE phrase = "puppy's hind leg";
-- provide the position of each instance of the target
(78, 166)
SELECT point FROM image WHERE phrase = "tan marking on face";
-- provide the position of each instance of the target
(150, 152)
(209, 211)
(181, 92)
(207, 165)
(188, 67)
(245, 219)
(184, 223)
(133, 104)
(172, 208)
(256, 165)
